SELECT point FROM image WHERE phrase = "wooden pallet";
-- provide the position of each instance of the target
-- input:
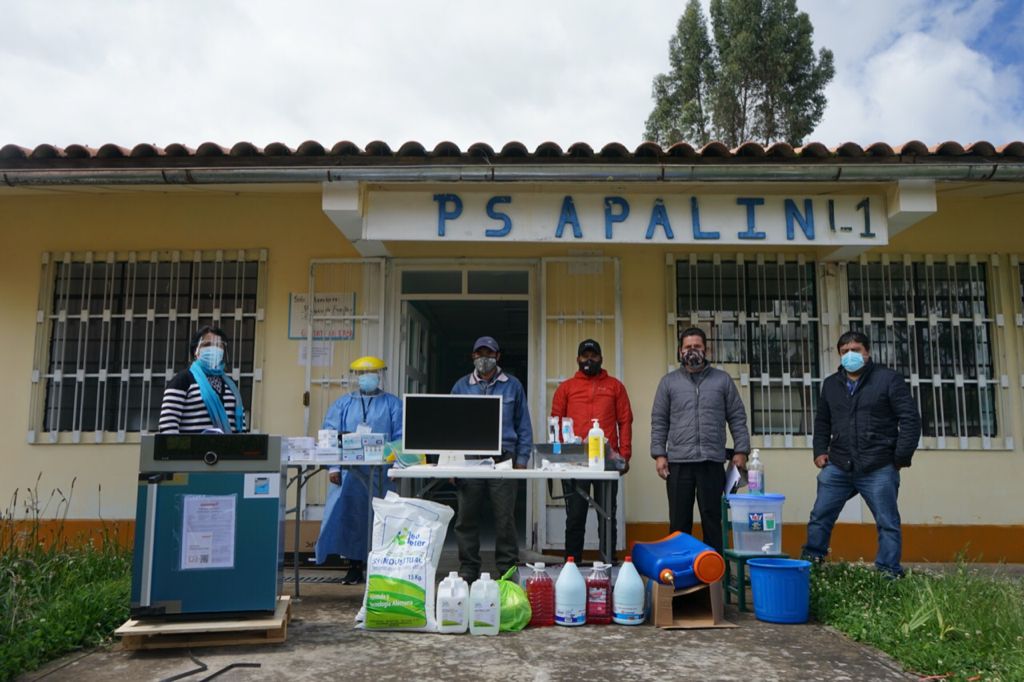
(153, 634)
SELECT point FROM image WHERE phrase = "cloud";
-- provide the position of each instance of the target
(924, 88)
(534, 70)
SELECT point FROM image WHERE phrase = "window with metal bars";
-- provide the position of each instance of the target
(931, 322)
(761, 317)
(112, 329)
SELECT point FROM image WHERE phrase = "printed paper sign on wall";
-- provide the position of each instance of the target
(332, 316)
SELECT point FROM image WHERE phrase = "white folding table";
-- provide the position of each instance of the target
(433, 474)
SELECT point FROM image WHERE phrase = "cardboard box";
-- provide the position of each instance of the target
(308, 533)
(701, 606)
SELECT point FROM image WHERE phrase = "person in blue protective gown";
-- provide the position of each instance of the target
(370, 409)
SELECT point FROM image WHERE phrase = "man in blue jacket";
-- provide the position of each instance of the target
(866, 430)
(487, 378)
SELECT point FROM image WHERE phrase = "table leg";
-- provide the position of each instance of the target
(369, 510)
(296, 545)
(609, 522)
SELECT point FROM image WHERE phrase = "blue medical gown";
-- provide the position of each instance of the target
(344, 527)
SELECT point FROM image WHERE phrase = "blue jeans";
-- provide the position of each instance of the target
(879, 488)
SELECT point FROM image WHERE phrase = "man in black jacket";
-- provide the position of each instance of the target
(866, 429)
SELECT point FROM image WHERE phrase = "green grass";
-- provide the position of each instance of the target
(962, 625)
(56, 597)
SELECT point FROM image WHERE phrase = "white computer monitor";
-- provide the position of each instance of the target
(451, 426)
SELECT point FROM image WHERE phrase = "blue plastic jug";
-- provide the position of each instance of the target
(679, 560)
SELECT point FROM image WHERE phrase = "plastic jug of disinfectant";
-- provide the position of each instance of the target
(595, 447)
(453, 605)
(679, 560)
(570, 596)
(599, 595)
(628, 595)
(540, 591)
(484, 606)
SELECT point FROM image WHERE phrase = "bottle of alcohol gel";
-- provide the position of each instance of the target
(485, 606)
(570, 596)
(595, 447)
(755, 474)
(628, 595)
(453, 605)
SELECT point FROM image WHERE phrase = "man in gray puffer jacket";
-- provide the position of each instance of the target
(691, 407)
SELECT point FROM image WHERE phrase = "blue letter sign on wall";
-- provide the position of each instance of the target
(443, 213)
(498, 215)
(569, 217)
(610, 217)
(596, 215)
(806, 221)
(750, 203)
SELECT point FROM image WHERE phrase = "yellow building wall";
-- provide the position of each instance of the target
(291, 226)
(948, 487)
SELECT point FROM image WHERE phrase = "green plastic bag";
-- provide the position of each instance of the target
(515, 607)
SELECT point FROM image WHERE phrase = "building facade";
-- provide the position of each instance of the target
(310, 258)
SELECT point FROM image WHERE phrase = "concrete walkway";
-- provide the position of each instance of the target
(323, 645)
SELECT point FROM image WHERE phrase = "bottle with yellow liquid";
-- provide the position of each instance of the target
(595, 447)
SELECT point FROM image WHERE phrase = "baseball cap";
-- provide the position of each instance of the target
(590, 345)
(487, 342)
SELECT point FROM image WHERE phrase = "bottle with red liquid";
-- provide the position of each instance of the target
(599, 595)
(540, 590)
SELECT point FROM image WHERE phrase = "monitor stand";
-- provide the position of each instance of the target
(451, 460)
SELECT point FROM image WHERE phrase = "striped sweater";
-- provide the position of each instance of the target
(183, 410)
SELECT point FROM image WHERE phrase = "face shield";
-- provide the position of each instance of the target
(368, 381)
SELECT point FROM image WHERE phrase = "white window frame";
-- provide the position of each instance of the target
(47, 322)
(745, 383)
(1002, 438)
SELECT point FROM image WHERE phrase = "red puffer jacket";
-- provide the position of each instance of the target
(601, 397)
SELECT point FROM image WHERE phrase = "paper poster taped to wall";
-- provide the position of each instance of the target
(329, 309)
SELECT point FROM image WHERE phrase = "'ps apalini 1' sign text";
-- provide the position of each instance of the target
(638, 219)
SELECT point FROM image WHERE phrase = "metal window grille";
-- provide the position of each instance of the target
(930, 319)
(113, 329)
(762, 321)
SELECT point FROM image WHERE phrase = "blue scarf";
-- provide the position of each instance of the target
(214, 406)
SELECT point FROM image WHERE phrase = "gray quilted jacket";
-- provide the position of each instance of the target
(689, 416)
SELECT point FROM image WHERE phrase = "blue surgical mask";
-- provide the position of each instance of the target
(211, 358)
(368, 383)
(852, 361)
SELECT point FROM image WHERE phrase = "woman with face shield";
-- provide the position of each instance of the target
(369, 409)
(203, 398)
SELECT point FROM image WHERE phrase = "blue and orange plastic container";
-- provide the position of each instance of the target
(679, 560)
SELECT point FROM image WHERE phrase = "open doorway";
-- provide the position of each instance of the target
(439, 340)
(450, 329)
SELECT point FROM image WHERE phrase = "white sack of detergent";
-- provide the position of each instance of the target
(408, 537)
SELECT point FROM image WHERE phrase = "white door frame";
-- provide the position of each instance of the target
(540, 498)
(534, 297)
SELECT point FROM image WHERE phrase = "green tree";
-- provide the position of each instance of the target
(758, 79)
(682, 96)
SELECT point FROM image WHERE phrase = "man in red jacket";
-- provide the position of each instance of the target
(592, 394)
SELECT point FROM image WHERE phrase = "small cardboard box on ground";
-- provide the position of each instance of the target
(701, 606)
(309, 531)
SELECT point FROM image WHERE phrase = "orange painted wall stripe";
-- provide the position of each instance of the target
(850, 541)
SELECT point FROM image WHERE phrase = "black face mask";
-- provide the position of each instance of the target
(692, 358)
(590, 367)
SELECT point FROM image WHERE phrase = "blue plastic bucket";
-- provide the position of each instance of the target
(782, 589)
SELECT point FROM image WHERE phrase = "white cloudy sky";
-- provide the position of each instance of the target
(192, 71)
